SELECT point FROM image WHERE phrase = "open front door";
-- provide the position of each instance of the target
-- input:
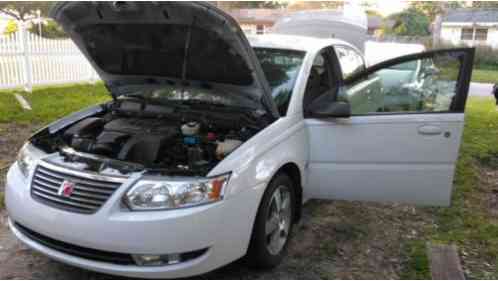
(403, 146)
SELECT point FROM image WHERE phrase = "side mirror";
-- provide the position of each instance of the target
(338, 109)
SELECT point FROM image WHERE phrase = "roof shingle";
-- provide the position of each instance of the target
(469, 15)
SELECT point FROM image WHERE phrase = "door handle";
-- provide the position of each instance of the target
(429, 130)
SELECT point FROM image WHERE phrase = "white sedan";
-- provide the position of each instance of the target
(212, 142)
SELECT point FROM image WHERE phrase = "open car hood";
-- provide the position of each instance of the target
(180, 43)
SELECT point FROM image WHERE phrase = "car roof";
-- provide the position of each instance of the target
(294, 42)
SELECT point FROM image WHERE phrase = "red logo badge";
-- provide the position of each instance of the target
(66, 189)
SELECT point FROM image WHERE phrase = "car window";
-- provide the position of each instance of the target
(423, 85)
(281, 68)
(319, 79)
(351, 61)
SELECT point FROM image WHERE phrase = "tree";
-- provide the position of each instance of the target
(410, 22)
(25, 10)
(235, 5)
(433, 8)
(50, 29)
(11, 27)
(373, 13)
(485, 4)
(315, 5)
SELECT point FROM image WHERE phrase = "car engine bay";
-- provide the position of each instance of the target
(131, 135)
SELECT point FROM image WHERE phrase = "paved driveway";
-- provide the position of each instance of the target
(480, 89)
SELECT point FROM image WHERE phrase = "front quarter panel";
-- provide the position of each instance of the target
(253, 165)
(258, 159)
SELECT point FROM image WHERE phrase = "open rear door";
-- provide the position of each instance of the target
(403, 147)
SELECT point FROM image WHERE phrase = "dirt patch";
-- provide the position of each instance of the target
(335, 240)
(478, 251)
(12, 137)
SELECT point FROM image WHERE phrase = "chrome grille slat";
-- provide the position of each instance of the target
(94, 190)
(40, 179)
(89, 194)
(78, 190)
(72, 198)
(45, 178)
(83, 175)
(82, 181)
(52, 198)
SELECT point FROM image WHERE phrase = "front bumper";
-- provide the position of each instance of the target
(223, 228)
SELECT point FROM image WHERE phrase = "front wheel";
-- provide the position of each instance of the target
(273, 224)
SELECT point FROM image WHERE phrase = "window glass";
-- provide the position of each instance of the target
(423, 85)
(350, 61)
(281, 68)
(318, 82)
(260, 29)
(466, 34)
(481, 34)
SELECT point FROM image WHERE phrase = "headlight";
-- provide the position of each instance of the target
(161, 195)
(26, 158)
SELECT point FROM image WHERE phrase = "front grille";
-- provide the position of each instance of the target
(89, 193)
(74, 250)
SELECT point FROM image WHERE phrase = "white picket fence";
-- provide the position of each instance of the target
(27, 60)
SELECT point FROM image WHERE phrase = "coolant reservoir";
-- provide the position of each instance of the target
(191, 128)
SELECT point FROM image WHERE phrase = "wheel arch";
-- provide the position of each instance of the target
(293, 171)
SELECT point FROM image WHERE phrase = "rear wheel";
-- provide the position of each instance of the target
(273, 224)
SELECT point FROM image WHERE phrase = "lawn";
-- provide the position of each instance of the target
(469, 222)
(485, 76)
(50, 103)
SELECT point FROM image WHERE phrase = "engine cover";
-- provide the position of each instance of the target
(136, 126)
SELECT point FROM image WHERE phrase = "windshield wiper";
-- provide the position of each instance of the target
(201, 102)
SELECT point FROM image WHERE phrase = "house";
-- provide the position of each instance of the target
(473, 27)
(256, 21)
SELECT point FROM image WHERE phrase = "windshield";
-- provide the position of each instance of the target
(176, 93)
(281, 68)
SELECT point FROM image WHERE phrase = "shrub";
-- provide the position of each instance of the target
(2, 198)
(50, 29)
(485, 56)
(11, 27)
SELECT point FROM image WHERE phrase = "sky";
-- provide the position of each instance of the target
(388, 7)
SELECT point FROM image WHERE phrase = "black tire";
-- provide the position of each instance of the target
(258, 255)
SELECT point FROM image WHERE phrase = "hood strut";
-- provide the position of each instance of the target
(186, 51)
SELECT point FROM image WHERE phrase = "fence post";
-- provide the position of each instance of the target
(28, 71)
(91, 74)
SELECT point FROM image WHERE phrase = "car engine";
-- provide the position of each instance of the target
(189, 141)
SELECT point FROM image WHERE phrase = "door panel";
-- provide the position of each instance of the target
(406, 153)
(384, 158)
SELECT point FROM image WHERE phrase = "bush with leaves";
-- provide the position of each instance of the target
(11, 27)
(485, 57)
(50, 29)
(410, 22)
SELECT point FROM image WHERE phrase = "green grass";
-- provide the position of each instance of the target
(2, 203)
(50, 103)
(467, 222)
(417, 266)
(485, 76)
